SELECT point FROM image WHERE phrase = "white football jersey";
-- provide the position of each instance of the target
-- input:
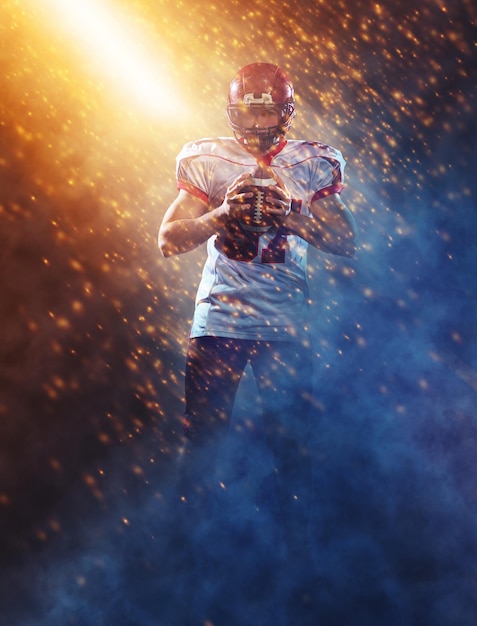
(256, 287)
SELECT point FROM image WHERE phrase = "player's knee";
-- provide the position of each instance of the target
(191, 427)
(199, 429)
(205, 429)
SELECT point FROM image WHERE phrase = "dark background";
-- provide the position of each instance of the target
(94, 322)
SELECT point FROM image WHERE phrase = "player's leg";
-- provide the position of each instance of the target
(284, 374)
(214, 367)
(213, 370)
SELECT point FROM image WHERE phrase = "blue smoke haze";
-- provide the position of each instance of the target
(86, 532)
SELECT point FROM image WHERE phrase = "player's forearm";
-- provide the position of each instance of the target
(338, 237)
(182, 235)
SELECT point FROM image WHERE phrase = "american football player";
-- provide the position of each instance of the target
(251, 304)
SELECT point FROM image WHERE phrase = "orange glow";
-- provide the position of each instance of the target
(117, 51)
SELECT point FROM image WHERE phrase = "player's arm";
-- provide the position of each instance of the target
(331, 226)
(190, 221)
(187, 223)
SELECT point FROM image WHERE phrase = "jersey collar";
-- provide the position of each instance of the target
(266, 159)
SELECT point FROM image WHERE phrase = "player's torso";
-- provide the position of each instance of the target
(218, 163)
(253, 284)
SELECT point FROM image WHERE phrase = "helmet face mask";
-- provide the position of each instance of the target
(259, 91)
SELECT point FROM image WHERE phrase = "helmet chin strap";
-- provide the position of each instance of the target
(261, 141)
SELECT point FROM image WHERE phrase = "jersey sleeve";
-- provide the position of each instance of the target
(192, 173)
(328, 174)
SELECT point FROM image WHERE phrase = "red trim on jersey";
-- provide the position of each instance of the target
(266, 159)
(327, 191)
(193, 190)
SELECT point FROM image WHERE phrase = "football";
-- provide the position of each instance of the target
(256, 218)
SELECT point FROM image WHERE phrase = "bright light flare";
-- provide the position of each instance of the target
(120, 52)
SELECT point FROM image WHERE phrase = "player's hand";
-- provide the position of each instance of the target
(235, 201)
(278, 203)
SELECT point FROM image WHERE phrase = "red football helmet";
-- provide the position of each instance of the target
(258, 86)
